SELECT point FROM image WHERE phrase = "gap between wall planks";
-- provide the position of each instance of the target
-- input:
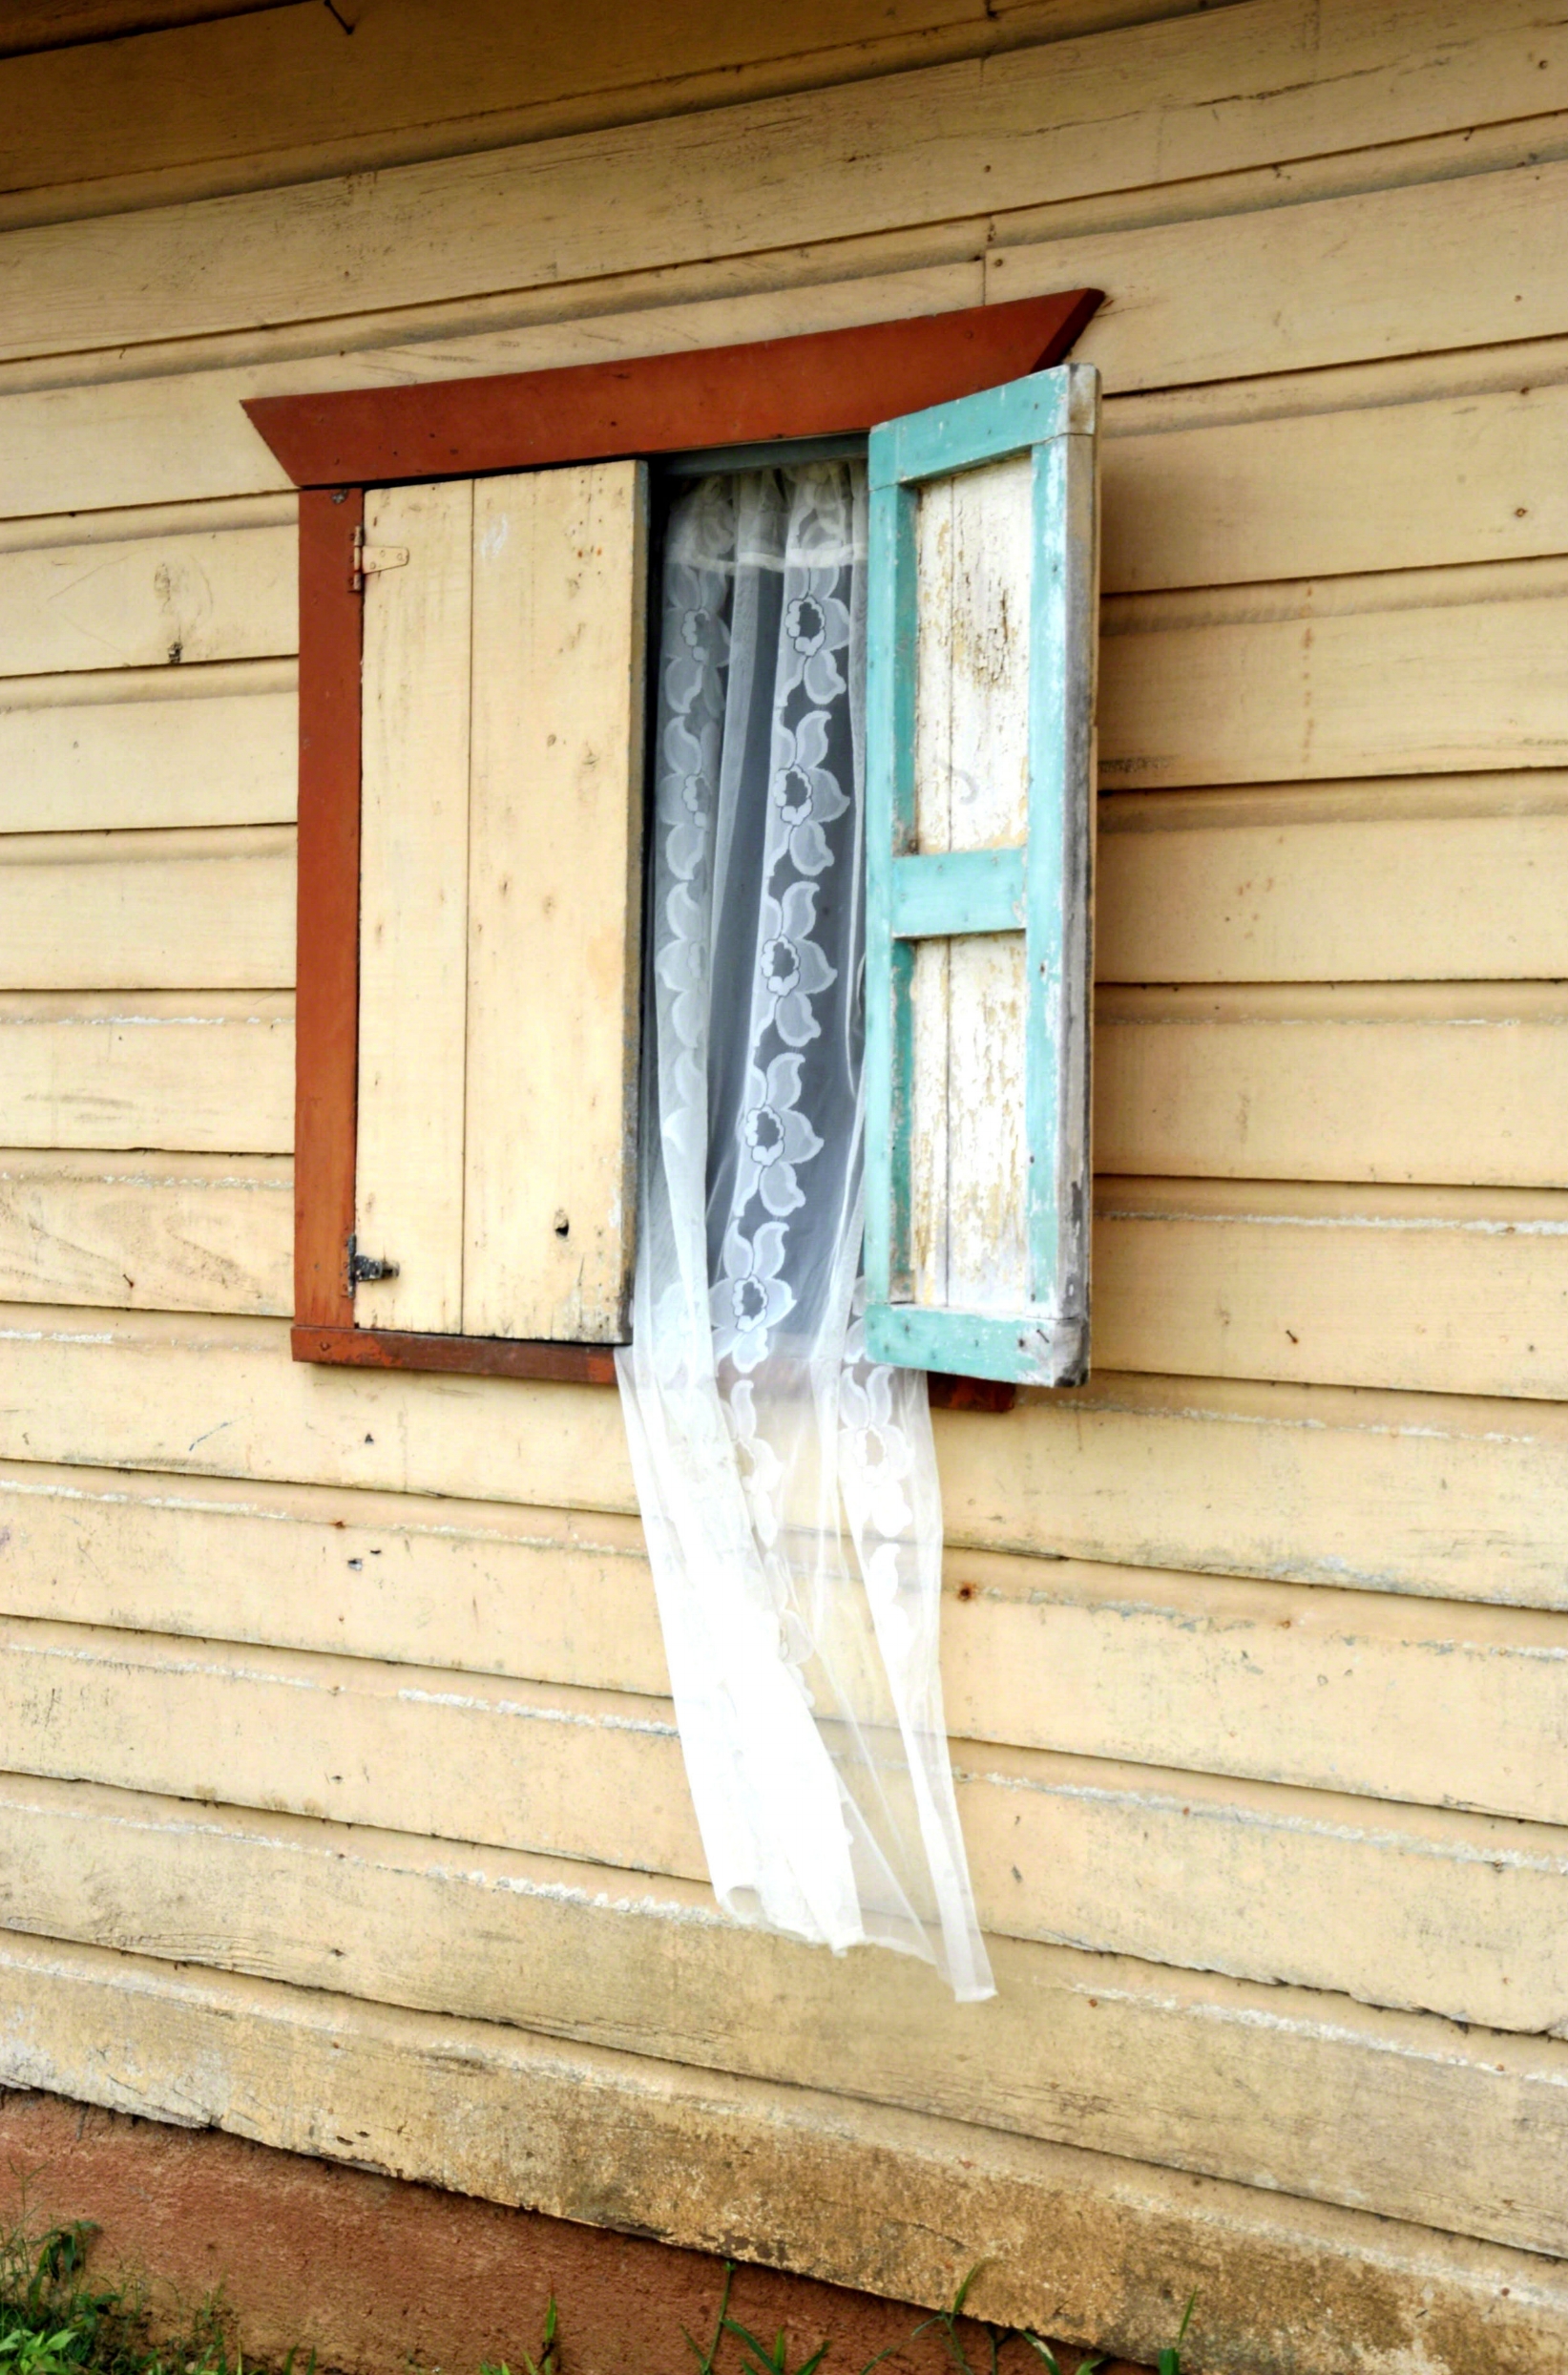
(818, 383)
(1411, 1907)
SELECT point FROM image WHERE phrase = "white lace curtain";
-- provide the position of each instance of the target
(788, 1487)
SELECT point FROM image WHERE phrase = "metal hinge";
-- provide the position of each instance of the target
(365, 1269)
(370, 558)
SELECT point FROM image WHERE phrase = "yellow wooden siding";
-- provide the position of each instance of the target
(1442, 1494)
(118, 747)
(1440, 1704)
(1229, 2074)
(248, 100)
(147, 1232)
(1392, 1904)
(208, 1073)
(1208, 93)
(1254, 1648)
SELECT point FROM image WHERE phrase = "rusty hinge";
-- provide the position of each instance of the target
(370, 558)
(364, 1269)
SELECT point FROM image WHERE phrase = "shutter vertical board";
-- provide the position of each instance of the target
(413, 905)
(980, 724)
(969, 1215)
(561, 584)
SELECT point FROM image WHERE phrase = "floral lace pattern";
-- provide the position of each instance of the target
(788, 1487)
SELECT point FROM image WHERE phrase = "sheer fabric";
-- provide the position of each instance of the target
(788, 1487)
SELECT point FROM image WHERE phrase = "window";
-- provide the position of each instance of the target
(472, 567)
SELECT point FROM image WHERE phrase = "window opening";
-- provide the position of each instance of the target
(788, 1486)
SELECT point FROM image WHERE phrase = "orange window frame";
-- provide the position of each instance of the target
(333, 446)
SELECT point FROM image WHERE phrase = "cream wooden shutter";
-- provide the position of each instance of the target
(980, 708)
(499, 903)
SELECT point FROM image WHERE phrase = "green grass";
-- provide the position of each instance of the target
(55, 2319)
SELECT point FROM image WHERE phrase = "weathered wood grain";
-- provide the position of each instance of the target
(154, 1233)
(206, 1073)
(1212, 2075)
(255, 102)
(969, 1163)
(1403, 1082)
(1376, 882)
(147, 601)
(413, 905)
(554, 889)
(157, 911)
(142, 749)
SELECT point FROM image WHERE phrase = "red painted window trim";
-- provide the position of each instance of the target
(333, 446)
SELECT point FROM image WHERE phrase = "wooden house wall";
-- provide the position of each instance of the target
(341, 1801)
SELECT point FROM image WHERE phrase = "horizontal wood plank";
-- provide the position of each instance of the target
(1332, 491)
(197, 910)
(211, 1073)
(1069, 2238)
(1455, 1913)
(143, 748)
(1366, 677)
(171, 599)
(1439, 1494)
(1381, 1696)
(158, 1233)
(1431, 1289)
(260, 102)
(1293, 288)
(1368, 883)
(1403, 1083)
(1278, 2087)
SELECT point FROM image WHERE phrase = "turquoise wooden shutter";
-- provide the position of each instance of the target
(981, 706)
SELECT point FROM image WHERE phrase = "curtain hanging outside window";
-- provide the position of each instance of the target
(789, 1488)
